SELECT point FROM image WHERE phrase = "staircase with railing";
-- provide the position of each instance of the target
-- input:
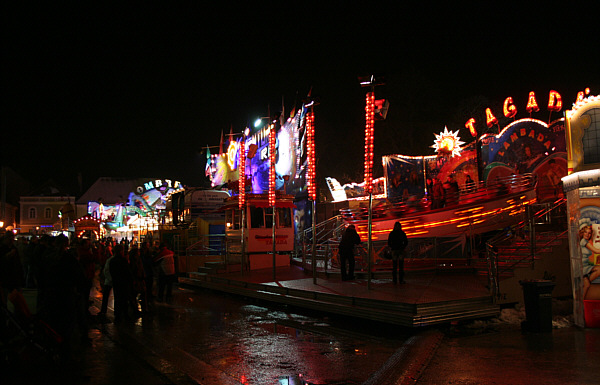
(523, 244)
(327, 236)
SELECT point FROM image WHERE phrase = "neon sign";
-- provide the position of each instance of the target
(554, 101)
(491, 119)
(158, 184)
(510, 110)
(532, 105)
(231, 152)
(471, 126)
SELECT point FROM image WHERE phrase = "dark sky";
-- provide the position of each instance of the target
(141, 91)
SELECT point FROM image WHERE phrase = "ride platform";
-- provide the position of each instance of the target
(427, 298)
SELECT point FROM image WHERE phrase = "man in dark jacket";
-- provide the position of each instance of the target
(122, 280)
(398, 241)
(346, 251)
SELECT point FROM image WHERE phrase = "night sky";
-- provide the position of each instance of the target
(140, 92)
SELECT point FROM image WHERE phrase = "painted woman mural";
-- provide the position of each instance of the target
(589, 240)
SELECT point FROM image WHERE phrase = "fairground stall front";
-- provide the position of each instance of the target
(582, 188)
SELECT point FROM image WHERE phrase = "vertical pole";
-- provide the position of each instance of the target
(370, 243)
(274, 246)
(310, 183)
(243, 256)
(242, 200)
(272, 192)
(471, 242)
(314, 241)
(531, 234)
(478, 159)
(3, 198)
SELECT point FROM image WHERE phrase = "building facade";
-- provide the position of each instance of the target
(44, 214)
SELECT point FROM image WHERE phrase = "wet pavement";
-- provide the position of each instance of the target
(498, 352)
(204, 337)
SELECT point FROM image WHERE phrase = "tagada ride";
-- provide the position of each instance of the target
(445, 238)
(488, 208)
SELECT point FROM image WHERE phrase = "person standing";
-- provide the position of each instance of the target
(451, 191)
(166, 272)
(12, 276)
(438, 194)
(107, 285)
(350, 238)
(60, 285)
(122, 280)
(147, 263)
(87, 260)
(469, 184)
(398, 241)
(139, 284)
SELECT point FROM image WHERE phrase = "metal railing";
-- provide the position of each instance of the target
(539, 216)
(327, 235)
(400, 206)
(205, 247)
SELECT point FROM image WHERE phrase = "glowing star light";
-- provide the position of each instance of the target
(447, 143)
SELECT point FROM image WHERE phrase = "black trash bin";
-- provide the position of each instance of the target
(538, 305)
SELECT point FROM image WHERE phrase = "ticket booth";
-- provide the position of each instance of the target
(258, 230)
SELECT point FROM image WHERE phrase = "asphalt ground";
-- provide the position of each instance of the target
(494, 351)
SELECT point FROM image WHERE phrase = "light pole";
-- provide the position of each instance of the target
(369, 154)
(242, 195)
(272, 177)
(310, 180)
(272, 200)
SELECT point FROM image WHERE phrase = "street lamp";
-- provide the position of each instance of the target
(259, 121)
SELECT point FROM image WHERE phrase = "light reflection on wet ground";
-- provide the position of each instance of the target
(215, 338)
(256, 344)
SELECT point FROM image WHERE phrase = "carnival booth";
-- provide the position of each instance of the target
(250, 231)
(582, 189)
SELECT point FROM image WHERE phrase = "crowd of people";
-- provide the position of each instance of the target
(66, 274)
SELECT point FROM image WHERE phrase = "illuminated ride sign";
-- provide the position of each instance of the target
(153, 195)
(147, 200)
(510, 109)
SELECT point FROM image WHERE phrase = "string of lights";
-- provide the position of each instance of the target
(272, 142)
(369, 134)
(310, 145)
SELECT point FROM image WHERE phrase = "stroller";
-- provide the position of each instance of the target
(25, 337)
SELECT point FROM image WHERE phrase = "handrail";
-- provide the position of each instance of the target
(512, 266)
(324, 230)
(492, 249)
(202, 245)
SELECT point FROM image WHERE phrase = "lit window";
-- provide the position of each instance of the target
(591, 144)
